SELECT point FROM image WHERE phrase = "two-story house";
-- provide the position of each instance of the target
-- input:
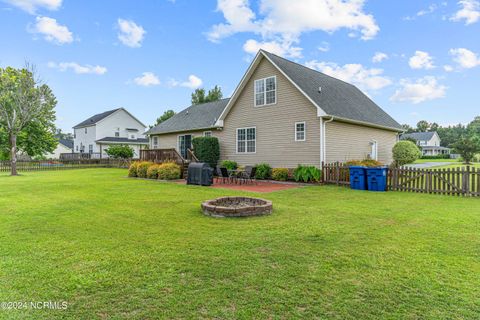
(94, 135)
(285, 114)
(429, 142)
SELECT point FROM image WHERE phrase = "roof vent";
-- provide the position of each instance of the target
(319, 89)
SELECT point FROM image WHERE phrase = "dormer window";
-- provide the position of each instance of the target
(265, 91)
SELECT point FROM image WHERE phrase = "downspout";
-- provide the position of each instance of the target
(324, 156)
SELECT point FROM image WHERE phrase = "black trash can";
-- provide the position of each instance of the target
(200, 173)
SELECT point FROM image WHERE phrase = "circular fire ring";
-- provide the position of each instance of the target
(236, 207)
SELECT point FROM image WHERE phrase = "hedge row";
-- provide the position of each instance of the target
(150, 170)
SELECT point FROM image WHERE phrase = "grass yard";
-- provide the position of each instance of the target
(121, 248)
(437, 160)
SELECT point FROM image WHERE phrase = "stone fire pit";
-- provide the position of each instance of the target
(236, 207)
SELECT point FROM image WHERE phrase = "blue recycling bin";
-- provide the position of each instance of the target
(358, 180)
(377, 178)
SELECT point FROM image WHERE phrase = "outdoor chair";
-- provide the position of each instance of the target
(249, 174)
(225, 176)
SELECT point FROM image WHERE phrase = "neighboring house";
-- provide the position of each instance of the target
(63, 146)
(429, 142)
(94, 135)
(285, 114)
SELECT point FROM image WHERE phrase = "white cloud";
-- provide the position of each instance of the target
(465, 58)
(147, 79)
(77, 68)
(193, 82)
(423, 89)
(284, 49)
(130, 33)
(366, 79)
(379, 57)
(421, 60)
(470, 11)
(325, 47)
(31, 6)
(52, 31)
(448, 68)
(283, 21)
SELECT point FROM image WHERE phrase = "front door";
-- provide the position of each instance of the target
(184, 143)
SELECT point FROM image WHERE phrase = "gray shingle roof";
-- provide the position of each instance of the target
(94, 119)
(66, 143)
(123, 140)
(201, 116)
(337, 98)
(419, 136)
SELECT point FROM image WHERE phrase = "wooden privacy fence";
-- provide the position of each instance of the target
(64, 164)
(461, 181)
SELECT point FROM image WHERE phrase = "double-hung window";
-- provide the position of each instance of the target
(265, 91)
(300, 131)
(246, 140)
(155, 143)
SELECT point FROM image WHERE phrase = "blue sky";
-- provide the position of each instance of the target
(416, 59)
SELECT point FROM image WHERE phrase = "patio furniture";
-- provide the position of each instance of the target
(248, 174)
(225, 175)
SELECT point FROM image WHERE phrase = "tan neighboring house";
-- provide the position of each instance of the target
(285, 114)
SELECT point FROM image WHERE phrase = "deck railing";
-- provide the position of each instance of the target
(161, 155)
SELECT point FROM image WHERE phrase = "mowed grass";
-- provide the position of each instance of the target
(118, 248)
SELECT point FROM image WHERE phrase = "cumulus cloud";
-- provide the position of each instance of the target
(52, 31)
(469, 12)
(78, 68)
(465, 58)
(31, 6)
(364, 78)
(283, 21)
(420, 90)
(421, 60)
(147, 79)
(325, 47)
(193, 82)
(448, 68)
(285, 49)
(130, 34)
(379, 57)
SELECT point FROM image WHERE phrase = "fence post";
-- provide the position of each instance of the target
(466, 182)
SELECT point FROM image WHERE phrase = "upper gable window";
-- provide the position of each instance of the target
(265, 91)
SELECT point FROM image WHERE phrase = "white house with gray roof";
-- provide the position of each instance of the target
(429, 142)
(285, 114)
(93, 136)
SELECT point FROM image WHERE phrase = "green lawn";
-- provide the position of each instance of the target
(118, 248)
(436, 160)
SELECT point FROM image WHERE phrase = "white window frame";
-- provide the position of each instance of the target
(155, 142)
(304, 131)
(246, 140)
(264, 92)
(207, 132)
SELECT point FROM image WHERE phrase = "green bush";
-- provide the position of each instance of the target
(142, 169)
(307, 174)
(264, 171)
(207, 149)
(132, 170)
(229, 164)
(152, 171)
(169, 171)
(438, 156)
(120, 152)
(405, 152)
(280, 174)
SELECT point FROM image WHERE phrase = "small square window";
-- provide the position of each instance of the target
(300, 131)
(207, 133)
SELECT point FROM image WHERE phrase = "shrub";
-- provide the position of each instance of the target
(229, 164)
(467, 147)
(120, 152)
(353, 163)
(438, 156)
(207, 149)
(371, 163)
(263, 172)
(307, 174)
(169, 171)
(280, 174)
(152, 171)
(405, 152)
(132, 170)
(142, 169)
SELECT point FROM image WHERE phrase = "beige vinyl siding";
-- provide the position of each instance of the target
(170, 140)
(345, 141)
(275, 125)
